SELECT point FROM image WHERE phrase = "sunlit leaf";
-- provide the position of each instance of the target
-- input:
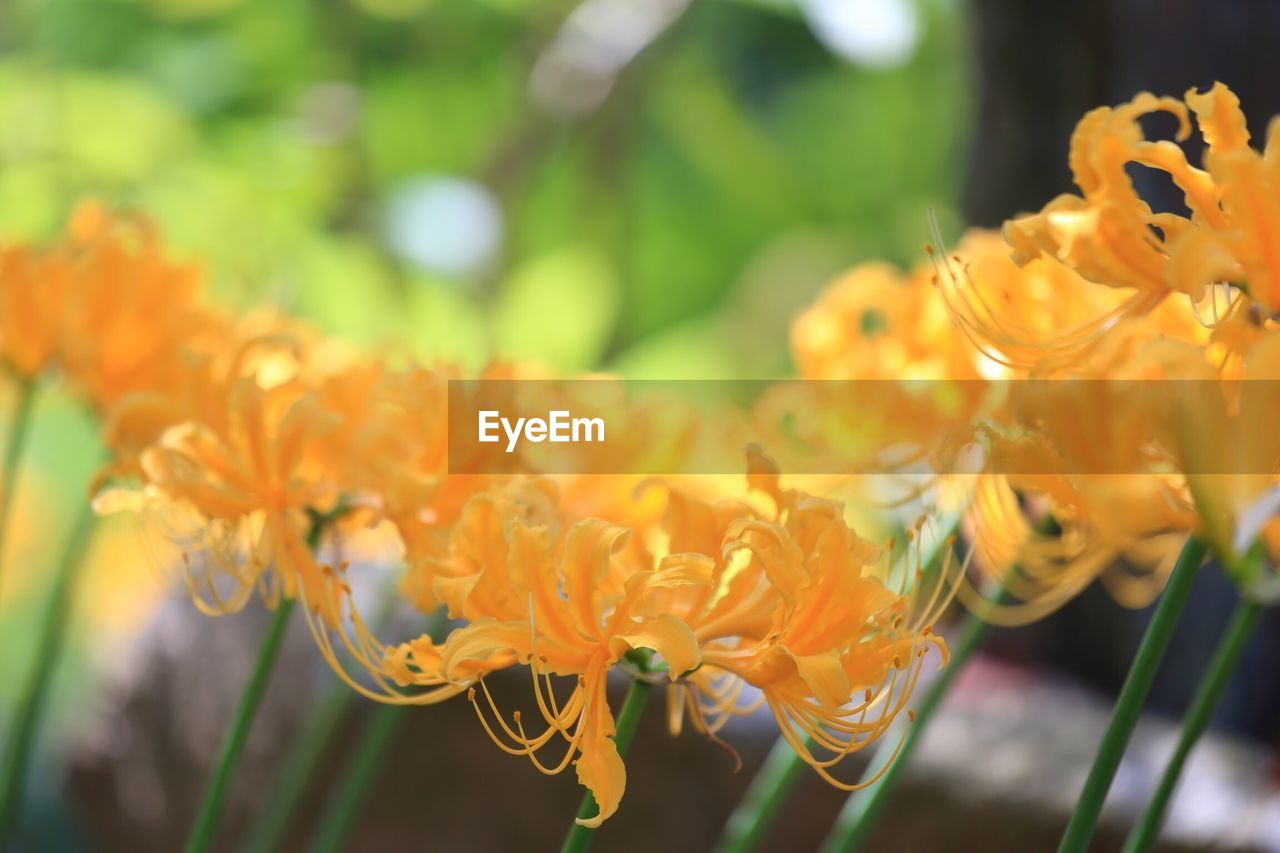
(559, 308)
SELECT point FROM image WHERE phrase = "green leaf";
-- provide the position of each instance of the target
(558, 309)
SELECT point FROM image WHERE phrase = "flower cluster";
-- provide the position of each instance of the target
(104, 305)
(972, 328)
(258, 447)
(1094, 287)
(782, 604)
(1219, 261)
(1028, 382)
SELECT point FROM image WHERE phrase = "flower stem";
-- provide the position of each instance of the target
(287, 790)
(53, 626)
(15, 442)
(580, 837)
(862, 808)
(355, 781)
(1124, 716)
(764, 799)
(1225, 659)
(215, 794)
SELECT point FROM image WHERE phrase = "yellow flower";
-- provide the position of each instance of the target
(1120, 516)
(896, 376)
(1109, 234)
(129, 310)
(1225, 252)
(790, 605)
(262, 346)
(566, 600)
(876, 322)
(1039, 316)
(239, 495)
(802, 613)
(33, 287)
(1096, 451)
(104, 302)
(1235, 240)
(1230, 460)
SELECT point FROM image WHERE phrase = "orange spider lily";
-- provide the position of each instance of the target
(129, 312)
(789, 605)
(33, 287)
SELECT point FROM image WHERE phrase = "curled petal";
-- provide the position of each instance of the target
(483, 645)
(669, 637)
(600, 767)
(825, 675)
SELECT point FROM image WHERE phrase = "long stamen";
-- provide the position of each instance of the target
(389, 694)
(569, 753)
(502, 745)
(549, 713)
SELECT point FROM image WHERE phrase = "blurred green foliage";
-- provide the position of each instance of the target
(672, 228)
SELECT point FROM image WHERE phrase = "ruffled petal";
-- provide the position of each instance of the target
(669, 637)
(600, 768)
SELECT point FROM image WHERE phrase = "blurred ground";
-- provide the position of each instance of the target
(1010, 751)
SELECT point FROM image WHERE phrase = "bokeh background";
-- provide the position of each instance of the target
(652, 187)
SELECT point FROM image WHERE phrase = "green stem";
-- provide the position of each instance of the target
(215, 794)
(355, 781)
(580, 837)
(357, 777)
(1225, 659)
(299, 770)
(1124, 716)
(862, 808)
(764, 799)
(53, 627)
(15, 442)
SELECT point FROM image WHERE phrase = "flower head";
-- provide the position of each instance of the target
(33, 286)
(251, 490)
(129, 310)
(792, 604)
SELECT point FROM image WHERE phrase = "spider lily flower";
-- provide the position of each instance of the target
(130, 311)
(33, 287)
(877, 322)
(1125, 530)
(446, 567)
(566, 600)
(804, 614)
(1222, 255)
(1004, 323)
(1038, 315)
(1039, 462)
(104, 302)
(215, 418)
(260, 346)
(238, 497)
(1098, 452)
(1234, 239)
(399, 466)
(1233, 476)
(399, 455)
(892, 333)
(1108, 234)
(403, 468)
(787, 603)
